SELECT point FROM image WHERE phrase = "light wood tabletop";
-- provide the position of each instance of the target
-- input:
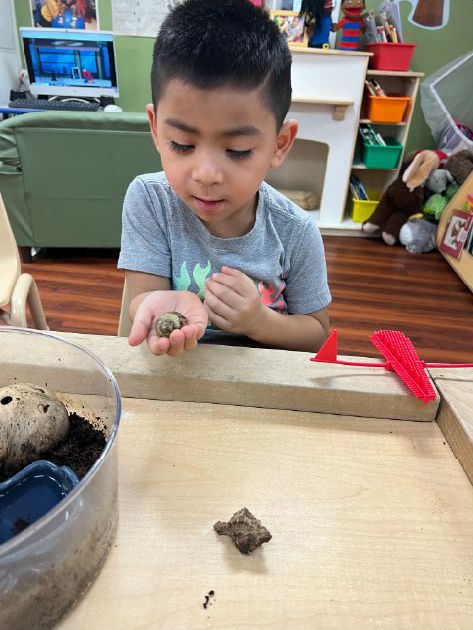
(371, 518)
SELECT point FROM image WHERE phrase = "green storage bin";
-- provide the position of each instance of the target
(374, 156)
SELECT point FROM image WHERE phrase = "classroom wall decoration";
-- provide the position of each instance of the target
(431, 14)
(140, 17)
(70, 14)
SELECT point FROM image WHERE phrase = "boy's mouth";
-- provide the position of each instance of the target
(208, 204)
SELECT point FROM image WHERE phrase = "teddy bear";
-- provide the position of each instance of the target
(396, 206)
(460, 165)
(403, 198)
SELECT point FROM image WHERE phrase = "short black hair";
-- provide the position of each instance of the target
(213, 43)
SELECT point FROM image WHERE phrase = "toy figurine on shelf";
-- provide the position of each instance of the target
(352, 24)
(318, 14)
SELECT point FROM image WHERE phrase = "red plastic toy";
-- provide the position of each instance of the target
(401, 357)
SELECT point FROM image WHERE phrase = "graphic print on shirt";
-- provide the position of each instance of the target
(183, 282)
(272, 297)
(200, 275)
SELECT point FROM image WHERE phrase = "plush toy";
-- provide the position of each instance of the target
(460, 165)
(423, 163)
(418, 236)
(318, 15)
(436, 203)
(399, 201)
(352, 24)
(439, 180)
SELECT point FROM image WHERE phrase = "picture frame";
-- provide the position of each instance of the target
(456, 233)
(293, 26)
(67, 14)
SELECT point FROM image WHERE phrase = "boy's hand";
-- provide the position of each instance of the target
(233, 302)
(159, 302)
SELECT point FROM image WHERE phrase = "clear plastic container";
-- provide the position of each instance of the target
(48, 567)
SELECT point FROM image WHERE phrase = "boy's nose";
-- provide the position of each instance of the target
(207, 172)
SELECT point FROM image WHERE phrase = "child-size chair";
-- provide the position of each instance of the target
(16, 289)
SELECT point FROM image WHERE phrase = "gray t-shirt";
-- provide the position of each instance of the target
(283, 252)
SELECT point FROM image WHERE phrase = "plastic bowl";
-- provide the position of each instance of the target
(30, 494)
(46, 568)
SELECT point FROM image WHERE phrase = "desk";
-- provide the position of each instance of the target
(14, 111)
(371, 517)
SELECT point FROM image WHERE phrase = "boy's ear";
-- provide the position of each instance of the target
(286, 136)
(152, 123)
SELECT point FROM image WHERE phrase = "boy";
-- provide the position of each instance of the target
(209, 228)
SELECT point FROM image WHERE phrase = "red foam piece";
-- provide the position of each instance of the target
(328, 352)
(402, 357)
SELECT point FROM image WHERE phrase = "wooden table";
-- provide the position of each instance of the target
(371, 517)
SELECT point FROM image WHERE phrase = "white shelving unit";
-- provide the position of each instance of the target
(402, 84)
(327, 96)
(328, 103)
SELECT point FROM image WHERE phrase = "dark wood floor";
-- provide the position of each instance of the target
(374, 286)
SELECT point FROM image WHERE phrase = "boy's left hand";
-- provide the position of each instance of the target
(233, 302)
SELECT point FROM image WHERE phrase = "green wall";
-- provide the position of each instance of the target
(435, 48)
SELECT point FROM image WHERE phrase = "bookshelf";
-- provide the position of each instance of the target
(376, 179)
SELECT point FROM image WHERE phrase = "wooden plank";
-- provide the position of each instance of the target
(455, 417)
(371, 520)
(251, 377)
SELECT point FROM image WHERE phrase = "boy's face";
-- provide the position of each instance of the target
(216, 146)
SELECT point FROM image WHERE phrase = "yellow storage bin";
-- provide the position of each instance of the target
(361, 210)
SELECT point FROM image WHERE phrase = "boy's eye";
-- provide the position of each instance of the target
(180, 148)
(238, 155)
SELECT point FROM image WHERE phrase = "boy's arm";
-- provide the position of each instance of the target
(140, 285)
(292, 332)
(234, 305)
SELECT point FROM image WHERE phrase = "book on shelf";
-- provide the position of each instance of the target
(370, 136)
(358, 189)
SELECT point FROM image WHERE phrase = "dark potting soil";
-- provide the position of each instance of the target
(79, 449)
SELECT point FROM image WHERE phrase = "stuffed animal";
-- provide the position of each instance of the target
(352, 24)
(460, 165)
(418, 236)
(318, 14)
(436, 203)
(423, 163)
(438, 180)
(399, 201)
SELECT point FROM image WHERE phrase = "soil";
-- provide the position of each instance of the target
(79, 449)
(19, 525)
(208, 597)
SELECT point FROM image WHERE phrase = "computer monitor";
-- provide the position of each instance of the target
(61, 62)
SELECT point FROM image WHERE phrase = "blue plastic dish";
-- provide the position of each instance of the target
(28, 495)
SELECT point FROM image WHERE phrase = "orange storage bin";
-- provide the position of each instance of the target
(387, 109)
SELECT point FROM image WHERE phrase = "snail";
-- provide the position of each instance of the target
(167, 322)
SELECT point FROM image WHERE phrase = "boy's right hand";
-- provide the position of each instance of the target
(159, 302)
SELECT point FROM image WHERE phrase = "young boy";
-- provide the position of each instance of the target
(208, 237)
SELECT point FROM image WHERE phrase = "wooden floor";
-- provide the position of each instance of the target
(373, 286)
